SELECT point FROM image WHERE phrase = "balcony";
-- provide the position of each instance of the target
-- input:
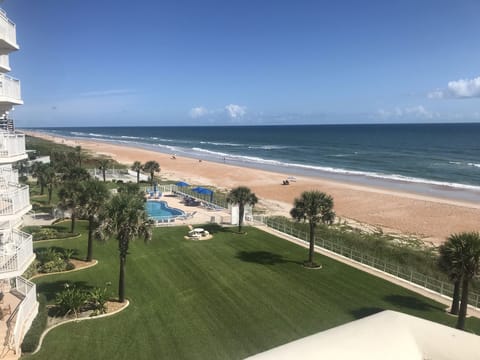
(8, 175)
(16, 253)
(9, 92)
(12, 147)
(4, 63)
(8, 34)
(19, 307)
(14, 202)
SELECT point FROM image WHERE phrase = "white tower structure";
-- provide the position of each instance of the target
(18, 302)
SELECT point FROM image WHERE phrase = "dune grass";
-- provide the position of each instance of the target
(226, 298)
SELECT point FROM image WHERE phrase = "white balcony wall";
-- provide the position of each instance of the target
(11, 145)
(8, 32)
(4, 63)
(16, 251)
(13, 200)
(27, 310)
(10, 89)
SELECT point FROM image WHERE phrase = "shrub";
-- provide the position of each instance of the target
(98, 300)
(70, 300)
(32, 337)
(31, 270)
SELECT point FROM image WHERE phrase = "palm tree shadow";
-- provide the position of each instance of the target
(410, 302)
(263, 258)
(365, 311)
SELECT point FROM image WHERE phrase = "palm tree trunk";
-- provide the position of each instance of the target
(50, 190)
(73, 217)
(456, 297)
(151, 178)
(121, 279)
(311, 250)
(103, 173)
(90, 239)
(42, 188)
(138, 176)
(463, 305)
(241, 211)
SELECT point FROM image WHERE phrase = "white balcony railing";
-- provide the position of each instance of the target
(10, 88)
(4, 62)
(8, 175)
(14, 199)
(25, 312)
(8, 31)
(11, 145)
(16, 251)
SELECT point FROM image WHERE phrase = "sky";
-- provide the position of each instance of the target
(245, 62)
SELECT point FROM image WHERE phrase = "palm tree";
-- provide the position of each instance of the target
(151, 167)
(69, 196)
(38, 171)
(469, 261)
(75, 173)
(92, 199)
(50, 178)
(125, 218)
(314, 207)
(103, 165)
(80, 155)
(137, 166)
(450, 262)
(241, 196)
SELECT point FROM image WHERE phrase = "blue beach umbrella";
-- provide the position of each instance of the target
(204, 191)
(182, 184)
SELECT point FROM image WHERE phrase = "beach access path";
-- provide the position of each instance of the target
(429, 218)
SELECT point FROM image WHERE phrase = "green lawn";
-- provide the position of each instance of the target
(226, 298)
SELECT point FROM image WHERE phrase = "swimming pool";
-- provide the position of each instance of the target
(159, 210)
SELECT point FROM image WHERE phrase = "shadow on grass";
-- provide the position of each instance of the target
(57, 249)
(51, 289)
(264, 258)
(365, 311)
(410, 302)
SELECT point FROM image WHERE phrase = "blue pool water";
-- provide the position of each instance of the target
(159, 210)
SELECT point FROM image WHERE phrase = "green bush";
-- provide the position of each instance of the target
(70, 300)
(54, 260)
(30, 342)
(97, 299)
(31, 270)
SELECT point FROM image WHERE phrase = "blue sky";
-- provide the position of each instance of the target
(179, 62)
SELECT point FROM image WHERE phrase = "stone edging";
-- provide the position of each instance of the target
(40, 342)
(94, 262)
(65, 238)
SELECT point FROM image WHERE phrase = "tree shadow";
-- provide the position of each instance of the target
(263, 258)
(215, 228)
(365, 311)
(410, 302)
(51, 289)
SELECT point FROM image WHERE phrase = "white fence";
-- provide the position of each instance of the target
(14, 199)
(16, 251)
(7, 29)
(10, 87)
(395, 270)
(25, 313)
(11, 144)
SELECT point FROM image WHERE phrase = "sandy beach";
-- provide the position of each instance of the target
(431, 219)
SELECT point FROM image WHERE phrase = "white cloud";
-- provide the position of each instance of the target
(418, 112)
(235, 111)
(198, 111)
(459, 89)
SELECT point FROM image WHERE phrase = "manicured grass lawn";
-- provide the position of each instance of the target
(226, 298)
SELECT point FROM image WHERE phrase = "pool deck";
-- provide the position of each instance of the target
(201, 215)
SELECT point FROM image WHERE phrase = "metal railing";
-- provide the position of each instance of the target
(185, 191)
(25, 311)
(427, 282)
(8, 175)
(16, 251)
(11, 144)
(10, 87)
(14, 199)
(8, 31)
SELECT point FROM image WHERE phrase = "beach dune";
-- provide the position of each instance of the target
(431, 219)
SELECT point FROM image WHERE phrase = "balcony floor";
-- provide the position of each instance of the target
(8, 305)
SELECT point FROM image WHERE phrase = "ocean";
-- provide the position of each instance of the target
(432, 159)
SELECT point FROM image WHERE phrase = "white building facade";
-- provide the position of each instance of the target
(18, 299)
